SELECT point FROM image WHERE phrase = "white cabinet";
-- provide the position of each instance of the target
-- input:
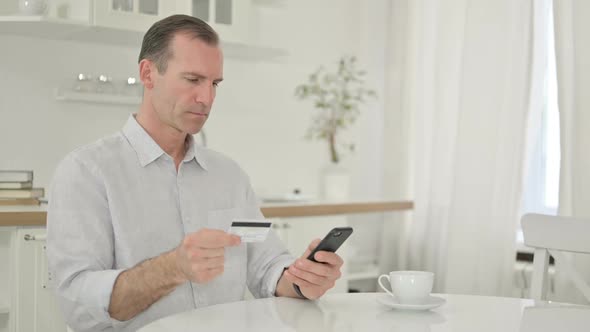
(30, 304)
(36, 308)
(230, 18)
(6, 244)
(124, 22)
(132, 15)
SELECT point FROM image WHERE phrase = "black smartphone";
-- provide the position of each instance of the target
(332, 241)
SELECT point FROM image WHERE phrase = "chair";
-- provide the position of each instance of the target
(553, 235)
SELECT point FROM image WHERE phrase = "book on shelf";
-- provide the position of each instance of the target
(19, 201)
(22, 193)
(16, 185)
(16, 176)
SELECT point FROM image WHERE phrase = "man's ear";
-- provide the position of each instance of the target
(147, 72)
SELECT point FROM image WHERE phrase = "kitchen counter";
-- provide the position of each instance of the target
(36, 215)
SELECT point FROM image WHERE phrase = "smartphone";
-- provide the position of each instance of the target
(332, 241)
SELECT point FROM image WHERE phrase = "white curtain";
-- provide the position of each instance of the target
(466, 85)
(572, 48)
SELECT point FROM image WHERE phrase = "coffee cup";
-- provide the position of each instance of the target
(409, 287)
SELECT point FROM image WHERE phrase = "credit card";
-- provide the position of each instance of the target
(250, 230)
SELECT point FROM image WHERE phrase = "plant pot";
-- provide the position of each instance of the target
(335, 182)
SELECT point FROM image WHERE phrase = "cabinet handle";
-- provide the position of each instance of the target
(40, 237)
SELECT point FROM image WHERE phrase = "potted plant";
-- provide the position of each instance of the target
(337, 97)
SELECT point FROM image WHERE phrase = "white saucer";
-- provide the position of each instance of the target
(390, 301)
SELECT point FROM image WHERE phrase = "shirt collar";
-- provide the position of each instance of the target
(192, 152)
(148, 150)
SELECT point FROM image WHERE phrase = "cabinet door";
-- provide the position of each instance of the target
(133, 15)
(7, 235)
(36, 308)
(230, 18)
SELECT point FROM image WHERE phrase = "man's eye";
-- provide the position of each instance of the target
(215, 84)
(193, 80)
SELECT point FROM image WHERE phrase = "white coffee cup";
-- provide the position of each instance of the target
(409, 287)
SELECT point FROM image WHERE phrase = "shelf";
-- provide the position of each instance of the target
(96, 98)
(40, 27)
(271, 3)
(35, 215)
(307, 209)
(80, 31)
(370, 272)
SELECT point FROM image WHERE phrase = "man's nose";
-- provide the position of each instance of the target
(205, 95)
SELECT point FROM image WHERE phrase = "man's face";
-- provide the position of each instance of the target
(183, 95)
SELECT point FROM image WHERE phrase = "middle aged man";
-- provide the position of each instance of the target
(137, 221)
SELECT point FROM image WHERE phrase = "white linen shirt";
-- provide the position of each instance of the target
(120, 201)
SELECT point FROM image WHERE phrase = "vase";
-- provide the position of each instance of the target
(335, 182)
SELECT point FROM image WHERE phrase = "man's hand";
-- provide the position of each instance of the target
(315, 279)
(200, 257)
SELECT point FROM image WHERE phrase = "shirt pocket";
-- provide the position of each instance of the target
(231, 285)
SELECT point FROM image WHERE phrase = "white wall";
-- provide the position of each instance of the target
(256, 119)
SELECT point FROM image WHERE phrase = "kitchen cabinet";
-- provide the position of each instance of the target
(230, 18)
(124, 22)
(6, 244)
(26, 293)
(131, 15)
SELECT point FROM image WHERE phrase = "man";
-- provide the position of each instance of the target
(137, 221)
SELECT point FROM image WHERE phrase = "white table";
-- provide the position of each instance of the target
(361, 312)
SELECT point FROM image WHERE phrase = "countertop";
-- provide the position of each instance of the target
(27, 215)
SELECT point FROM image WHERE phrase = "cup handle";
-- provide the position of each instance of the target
(383, 287)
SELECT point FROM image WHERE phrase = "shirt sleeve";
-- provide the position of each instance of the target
(80, 246)
(266, 260)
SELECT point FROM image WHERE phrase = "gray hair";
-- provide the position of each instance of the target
(156, 41)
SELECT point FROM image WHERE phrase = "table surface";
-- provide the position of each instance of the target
(362, 312)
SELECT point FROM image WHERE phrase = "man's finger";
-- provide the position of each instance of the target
(321, 269)
(212, 263)
(311, 247)
(329, 258)
(211, 252)
(214, 238)
(297, 281)
(310, 277)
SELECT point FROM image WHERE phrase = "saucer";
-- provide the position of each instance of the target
(430, 303)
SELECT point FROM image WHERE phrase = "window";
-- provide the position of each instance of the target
(541, 193)
(551, 139)
(541, 187)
